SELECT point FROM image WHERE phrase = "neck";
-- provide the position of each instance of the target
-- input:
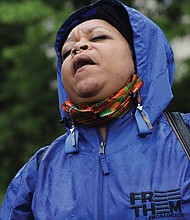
(107, 110)
(103, 133)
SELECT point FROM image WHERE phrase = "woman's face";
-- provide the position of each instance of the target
(101, 67)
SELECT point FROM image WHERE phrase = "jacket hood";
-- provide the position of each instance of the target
(154, 57)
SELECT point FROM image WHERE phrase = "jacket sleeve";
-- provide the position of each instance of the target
(18, 199)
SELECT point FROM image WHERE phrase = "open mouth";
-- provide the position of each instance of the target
(81, 61)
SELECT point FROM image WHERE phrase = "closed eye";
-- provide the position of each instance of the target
(66, 54)
(99, 38)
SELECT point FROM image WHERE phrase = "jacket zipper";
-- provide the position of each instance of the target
(103, 171)
(102, 157)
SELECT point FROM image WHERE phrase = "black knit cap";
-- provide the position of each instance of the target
(118, 17)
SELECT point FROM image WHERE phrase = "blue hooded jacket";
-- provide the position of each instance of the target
(135, 176)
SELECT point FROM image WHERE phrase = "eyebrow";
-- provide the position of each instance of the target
(89, 30)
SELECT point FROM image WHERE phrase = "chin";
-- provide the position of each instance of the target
(86, 99)
(88, 91)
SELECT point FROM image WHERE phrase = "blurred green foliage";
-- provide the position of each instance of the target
(29, 114)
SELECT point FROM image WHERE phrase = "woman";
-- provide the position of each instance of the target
(120, 158)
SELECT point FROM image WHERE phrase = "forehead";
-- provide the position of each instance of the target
(89, 26)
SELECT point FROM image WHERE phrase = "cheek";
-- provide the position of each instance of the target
(126, 61)
(66, 80)
(63, 76)
(65, 72)
(122, 66)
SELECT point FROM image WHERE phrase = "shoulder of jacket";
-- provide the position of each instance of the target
(186, 118)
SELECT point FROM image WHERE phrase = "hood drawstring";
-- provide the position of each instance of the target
(142, 119)
(71, 143)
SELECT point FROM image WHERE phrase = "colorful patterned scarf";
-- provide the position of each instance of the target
(106, 110)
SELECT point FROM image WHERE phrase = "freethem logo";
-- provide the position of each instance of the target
(157, 204)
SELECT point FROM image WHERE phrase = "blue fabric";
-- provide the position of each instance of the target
(75, 187)
(138, 177)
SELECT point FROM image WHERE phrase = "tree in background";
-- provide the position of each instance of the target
(174, 18)
(29, 116)
(29, 113)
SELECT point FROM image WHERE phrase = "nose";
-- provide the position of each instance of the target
(79, 47)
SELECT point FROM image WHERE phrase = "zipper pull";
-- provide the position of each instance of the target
(102, 148)
(103, 158)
